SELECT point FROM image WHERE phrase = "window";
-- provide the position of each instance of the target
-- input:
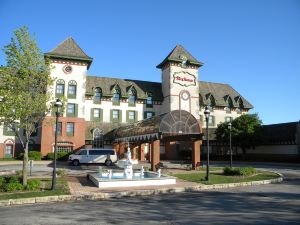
(116, 97)
(228, 119)
(149, 101)
(8, 130)
(64, 149)
(72, 89)
(60, 88)
(59, 128)
(211, 103)
(132, 98)
(116, 115)
(70, 129)
(211, 121)
(97, 95)
(241, 106)
(83, 152)
(96, 113)
(148, 115)
(131, 116)
(71, 110)
(229, 105)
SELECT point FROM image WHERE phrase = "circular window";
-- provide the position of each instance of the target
(67, 69)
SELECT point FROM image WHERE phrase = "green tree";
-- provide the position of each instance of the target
(245, 131)
(23, 89)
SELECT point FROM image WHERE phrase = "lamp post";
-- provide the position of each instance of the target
(229, 126)
(57, 104)
(206, 113)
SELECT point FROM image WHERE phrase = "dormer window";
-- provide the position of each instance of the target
(229, 105)
(241, 106)
(116, 96)
(211, 103)
(132, 97)
(97, 95)
(149, 102)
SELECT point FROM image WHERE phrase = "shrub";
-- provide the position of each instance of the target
(60, 155)
(9, 187)
(2, 182)
(62, 172)
(14, 179)
(33, 185)
(231, 171)
(32, 155)
(247, 171)
(243, 171)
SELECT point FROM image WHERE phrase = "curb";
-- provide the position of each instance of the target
(102, 196)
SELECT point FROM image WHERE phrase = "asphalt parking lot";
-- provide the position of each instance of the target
(265, 204)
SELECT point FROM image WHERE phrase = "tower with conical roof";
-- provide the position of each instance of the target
(180, 81)
(69, 71)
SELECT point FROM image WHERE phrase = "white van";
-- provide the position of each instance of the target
(94, 155)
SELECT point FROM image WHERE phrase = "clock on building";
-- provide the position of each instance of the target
(67, 69)
(185, 95)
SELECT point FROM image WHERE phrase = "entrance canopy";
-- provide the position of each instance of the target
(178, 123)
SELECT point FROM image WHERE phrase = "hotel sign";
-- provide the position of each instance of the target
(185, 79)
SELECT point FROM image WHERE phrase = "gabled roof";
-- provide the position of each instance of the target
(179, 54)
(219, 91)
(69, 49)
(141, 87)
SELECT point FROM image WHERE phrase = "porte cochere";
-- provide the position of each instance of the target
(177, 125)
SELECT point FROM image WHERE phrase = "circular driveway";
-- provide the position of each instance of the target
(264, 204)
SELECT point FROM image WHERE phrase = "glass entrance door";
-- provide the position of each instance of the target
(8, 151)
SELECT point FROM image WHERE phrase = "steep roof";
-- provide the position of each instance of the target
(221, 92)
(180, 54)
(141, 87)
(69, 49)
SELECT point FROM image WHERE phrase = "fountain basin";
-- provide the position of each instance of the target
(118, 180)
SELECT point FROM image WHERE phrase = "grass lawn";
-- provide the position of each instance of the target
(219, 178)
(9, 159)
(61, 189)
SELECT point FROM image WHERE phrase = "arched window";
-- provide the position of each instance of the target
(149, 102)
(97, 95)
(60, 88)
(72, 89)
(116, 96)
(132, 97)
(98, 141)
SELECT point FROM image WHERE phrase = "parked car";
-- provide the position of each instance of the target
(99, 155)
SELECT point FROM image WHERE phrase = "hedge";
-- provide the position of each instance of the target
(60, 156)
(243, 171)
(32, 155)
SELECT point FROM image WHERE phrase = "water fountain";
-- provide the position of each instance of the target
(129, 177)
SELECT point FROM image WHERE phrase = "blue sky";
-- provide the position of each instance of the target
(252, 45)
